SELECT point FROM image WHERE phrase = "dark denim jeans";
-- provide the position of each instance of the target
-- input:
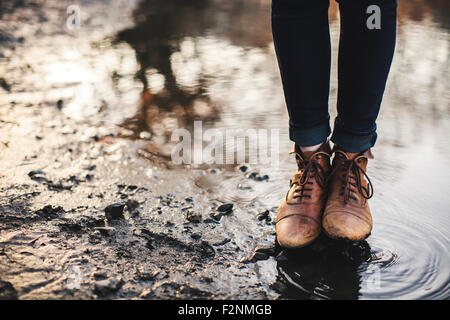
(302, 43)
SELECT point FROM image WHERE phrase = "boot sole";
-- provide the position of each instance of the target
(298, 247)
(346, 239)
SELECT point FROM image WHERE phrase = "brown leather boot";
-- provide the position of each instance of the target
(298, 220)
(347, 214)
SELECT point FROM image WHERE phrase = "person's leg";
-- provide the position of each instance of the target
(302, 43)
(365, 57)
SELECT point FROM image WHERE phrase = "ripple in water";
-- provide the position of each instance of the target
(401, 261)
(414, 261)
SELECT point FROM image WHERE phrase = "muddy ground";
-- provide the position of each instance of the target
(82, 215)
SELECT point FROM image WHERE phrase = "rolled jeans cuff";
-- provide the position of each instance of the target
(352, 142)
(310, 136)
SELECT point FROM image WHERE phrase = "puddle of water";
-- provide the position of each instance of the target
(207, 60)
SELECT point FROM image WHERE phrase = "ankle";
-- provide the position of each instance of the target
(310, 148)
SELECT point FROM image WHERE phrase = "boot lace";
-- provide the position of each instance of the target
(352, 174)
(311, 169)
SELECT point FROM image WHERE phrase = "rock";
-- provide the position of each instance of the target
(243, 168)
(107, 286)
(216, 216)
(252, 175)
(100, 275)
(5, 85)
(106, 231)
(71, 226)
(244, 187)
(261, 253)
(114, 211)
(95, 237)
(132, 205)
(257, 177)
(266, 250)
(225, 209)
(37, 175)
(59, 104)
(211, 220)
(258, 256)
(132, 188)
(191, 216)
(221, 243)
(57, 186)
(49, 212)
(205, 249)
(196, 236)
(264, 216)
(143, 274)
(7, 291)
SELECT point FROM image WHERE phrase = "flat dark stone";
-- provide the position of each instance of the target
(243, 168)
(266, 250)
(221, 243)
(196, 236)
(225, 208)
(7, 291)
(259, 256)
(114, 211)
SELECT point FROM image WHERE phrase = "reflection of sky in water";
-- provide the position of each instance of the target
(242, 80)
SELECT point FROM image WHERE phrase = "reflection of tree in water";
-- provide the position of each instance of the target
(161, 27)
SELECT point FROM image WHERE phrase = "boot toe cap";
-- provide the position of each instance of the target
(344, 225)
(296, 231)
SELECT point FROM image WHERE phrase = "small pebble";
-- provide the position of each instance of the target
(114, 211)
(243, 168)
(263, 215)
(225, 208)
(196, 236)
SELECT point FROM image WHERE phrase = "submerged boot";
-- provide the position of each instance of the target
(298, 220)
(347, 214)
